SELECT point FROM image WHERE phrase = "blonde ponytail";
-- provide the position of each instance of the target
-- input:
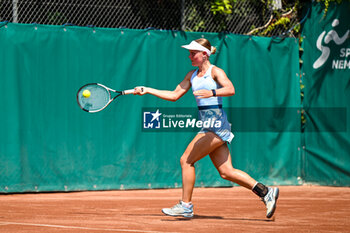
(204, 42)
(213, 50)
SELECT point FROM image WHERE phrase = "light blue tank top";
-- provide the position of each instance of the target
(206, 82)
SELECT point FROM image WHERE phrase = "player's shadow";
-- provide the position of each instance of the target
(196, 216)
(218, 218)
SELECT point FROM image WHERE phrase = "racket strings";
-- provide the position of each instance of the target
(98, 99)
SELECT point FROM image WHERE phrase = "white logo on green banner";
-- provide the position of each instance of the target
(332, 35)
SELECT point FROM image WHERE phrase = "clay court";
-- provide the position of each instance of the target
(300, 209)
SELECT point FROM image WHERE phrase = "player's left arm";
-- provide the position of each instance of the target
(227, 88)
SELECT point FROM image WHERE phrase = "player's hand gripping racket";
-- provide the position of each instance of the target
(95, 97)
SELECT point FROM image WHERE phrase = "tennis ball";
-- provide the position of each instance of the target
(86, 93)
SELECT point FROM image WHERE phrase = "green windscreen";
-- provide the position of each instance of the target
(49, 144)
(326, 76)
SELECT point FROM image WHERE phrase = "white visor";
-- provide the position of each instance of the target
(196, 46)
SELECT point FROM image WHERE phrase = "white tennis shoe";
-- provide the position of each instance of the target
(270, 201)
(179, 210)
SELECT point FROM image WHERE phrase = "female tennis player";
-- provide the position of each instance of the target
(209, 84)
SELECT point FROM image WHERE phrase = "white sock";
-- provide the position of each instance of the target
(186, 204)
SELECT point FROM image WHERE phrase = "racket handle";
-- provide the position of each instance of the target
(131, 91)
(128, 92)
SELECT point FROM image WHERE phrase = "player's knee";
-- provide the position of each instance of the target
(184, 161)
(224, 175)
(227, 174)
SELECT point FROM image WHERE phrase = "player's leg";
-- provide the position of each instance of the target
(198, 148)
(202, 145)
(221, 159)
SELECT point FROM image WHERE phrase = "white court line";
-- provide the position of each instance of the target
(74, 227)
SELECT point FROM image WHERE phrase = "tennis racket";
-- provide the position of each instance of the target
(95, 97)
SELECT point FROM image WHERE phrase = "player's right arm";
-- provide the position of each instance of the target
(174, 95)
